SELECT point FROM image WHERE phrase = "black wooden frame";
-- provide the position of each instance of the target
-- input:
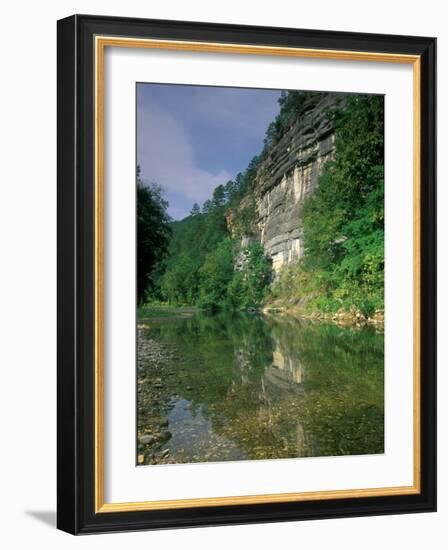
(76, 513)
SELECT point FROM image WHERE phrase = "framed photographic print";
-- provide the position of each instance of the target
(246, 274)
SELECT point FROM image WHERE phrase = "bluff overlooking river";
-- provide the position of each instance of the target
(288, 174)
(302, 228)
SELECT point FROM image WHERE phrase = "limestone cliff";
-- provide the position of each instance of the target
(288, 173)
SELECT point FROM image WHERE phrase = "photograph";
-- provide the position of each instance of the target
(246, 220)
(259, 274)
(225, 222)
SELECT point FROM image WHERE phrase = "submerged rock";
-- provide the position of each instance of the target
(147, 439)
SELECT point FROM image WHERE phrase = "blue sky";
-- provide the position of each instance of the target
(192, 138)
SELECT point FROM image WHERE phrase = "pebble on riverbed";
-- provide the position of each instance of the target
(154, 361)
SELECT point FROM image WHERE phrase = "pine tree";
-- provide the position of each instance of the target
(195, 210)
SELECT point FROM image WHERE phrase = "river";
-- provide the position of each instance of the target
(240, 386)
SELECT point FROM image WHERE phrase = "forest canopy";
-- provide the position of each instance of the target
(153, 235)
(199, 267)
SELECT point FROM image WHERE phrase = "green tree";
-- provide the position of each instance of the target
(291, 107)
(207, 206)
(343, 220)
(248, 286)
(193, 238)
(195, 209)
(219, 196)
(215, 275)
(230, 190)
(180, 282)
(153, 234)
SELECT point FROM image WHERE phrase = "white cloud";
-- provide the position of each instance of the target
(165, 155)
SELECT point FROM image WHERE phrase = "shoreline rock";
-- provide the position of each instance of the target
(345, 318)
(154, 397)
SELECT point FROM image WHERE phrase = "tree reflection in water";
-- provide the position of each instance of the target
(234, 386)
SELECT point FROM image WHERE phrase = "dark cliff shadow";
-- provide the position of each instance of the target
(48, 517)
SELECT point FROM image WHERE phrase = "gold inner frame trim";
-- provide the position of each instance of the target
(101, 42)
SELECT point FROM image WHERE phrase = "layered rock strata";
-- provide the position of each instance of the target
(288, 175)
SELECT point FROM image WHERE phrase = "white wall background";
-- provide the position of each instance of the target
(28, 272)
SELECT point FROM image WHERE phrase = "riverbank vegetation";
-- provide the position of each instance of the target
(343, 221)
(213, 259)
(199, 266)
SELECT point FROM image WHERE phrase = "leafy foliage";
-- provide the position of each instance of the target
(343, 221)
(215, 275)
(249, 285)
(199, 269)
(291, 104)
(153, 234)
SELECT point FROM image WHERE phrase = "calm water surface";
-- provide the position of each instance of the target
(214, 387)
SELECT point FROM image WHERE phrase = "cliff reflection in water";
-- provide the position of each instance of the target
(238, 386)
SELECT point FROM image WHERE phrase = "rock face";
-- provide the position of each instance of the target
(289, 174)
